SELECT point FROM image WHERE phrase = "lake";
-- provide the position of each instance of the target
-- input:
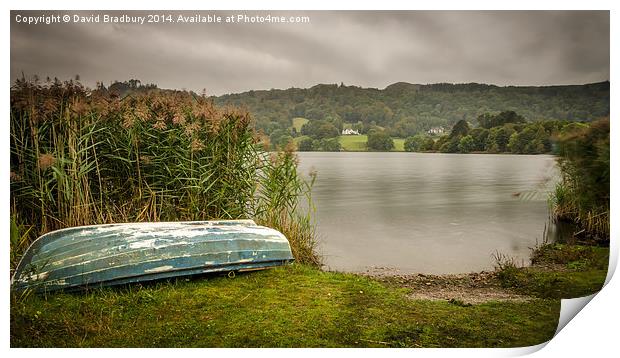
(428, 212)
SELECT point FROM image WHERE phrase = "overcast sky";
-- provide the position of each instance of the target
(369, 49)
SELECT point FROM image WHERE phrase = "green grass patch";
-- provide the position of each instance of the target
(357, 143)
(293, 306)
(353, 143)
(298, 122)
(573, 256)
(399, 145)
(559, 271)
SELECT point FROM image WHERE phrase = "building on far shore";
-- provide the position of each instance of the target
(349, 131)
(436, 131)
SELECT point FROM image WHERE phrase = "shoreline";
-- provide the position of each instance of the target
(404, 151)
(302, 306)
(555, 270)
(465, 288)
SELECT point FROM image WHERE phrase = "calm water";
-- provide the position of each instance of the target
(432, 213)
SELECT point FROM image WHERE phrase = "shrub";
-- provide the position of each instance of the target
(330, 145)
(416, 143)
(379, 141)
(466, 144)
(305, 145)
(583, 194)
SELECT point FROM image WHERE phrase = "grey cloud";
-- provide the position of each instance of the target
(366, 48)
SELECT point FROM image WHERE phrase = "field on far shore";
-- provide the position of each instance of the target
(298, 123)
(349, 143)
(357, 143)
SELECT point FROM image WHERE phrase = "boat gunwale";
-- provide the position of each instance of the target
(154, 276)
(156, 260)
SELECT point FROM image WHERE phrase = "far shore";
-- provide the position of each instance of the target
(426, 152)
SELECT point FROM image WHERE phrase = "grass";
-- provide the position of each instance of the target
(559, 271)
(357, 143)
(399, 144)
(353, 143)
(299, 122)
(293, 306)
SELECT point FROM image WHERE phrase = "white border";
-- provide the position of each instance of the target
(591, 332)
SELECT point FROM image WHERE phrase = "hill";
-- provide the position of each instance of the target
(405, 109)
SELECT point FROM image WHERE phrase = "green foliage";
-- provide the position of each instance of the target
(518, 138)
(380, 141)
(277, 205)
(305, 145)
(19, 241)
(466, 144)
(405, 127)
(582, 271)
(573, 127)
(405, 109)
(429, 144)
(575, 257)
(418, 143)
(488, 120)
(329, 145)
(320, 129)
(480, 136)
(497, 141)
(583, 194)
(82, 158)
(461, 128)
(280, 139)
(450, 145)
(533, 139)
(440, 142)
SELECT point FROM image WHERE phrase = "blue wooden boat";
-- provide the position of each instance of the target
(104, 255)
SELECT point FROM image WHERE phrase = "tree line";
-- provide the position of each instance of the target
(404, 110)
(505, 132)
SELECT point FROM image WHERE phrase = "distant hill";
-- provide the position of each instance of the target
(405, 109)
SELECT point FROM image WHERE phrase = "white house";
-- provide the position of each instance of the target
(349, 131)
(436, 131)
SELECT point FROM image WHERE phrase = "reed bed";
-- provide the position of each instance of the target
(582, 196)
(81, 157)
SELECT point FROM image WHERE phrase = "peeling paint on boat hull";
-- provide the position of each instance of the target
(104, 255)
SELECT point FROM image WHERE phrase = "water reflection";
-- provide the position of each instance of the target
(434, 213)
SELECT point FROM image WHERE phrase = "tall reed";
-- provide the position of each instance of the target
(279, 204)
(582, 196)
(82, 157)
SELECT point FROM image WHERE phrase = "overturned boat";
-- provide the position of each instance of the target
(113, 254)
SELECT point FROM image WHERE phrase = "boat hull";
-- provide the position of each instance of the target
(113, 254)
